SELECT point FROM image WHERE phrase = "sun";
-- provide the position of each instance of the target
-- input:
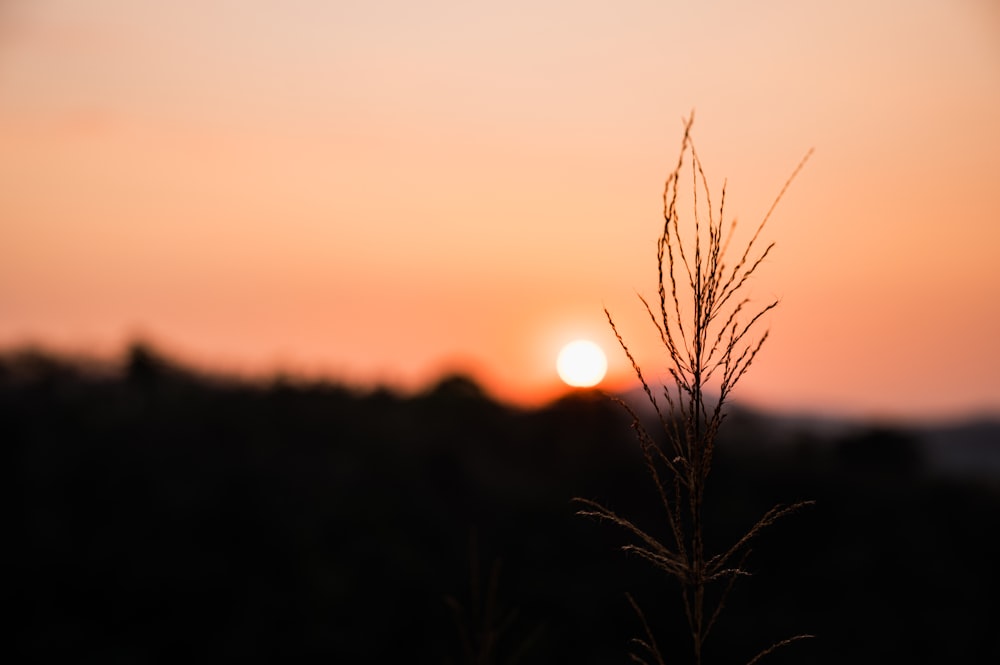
(581, 364)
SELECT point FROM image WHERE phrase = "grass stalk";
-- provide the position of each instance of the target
(710, 331)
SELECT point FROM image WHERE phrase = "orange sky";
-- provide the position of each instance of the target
(380, 191)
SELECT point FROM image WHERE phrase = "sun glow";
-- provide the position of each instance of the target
(581, 364)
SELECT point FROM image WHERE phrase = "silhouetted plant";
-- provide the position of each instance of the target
(708, 328)
(482, 625)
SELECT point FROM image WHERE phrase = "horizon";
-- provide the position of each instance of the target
(378, 194)
(117, 364)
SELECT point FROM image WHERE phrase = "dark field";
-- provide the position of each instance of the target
(162, 516)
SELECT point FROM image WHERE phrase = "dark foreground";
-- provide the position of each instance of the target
(163, 517)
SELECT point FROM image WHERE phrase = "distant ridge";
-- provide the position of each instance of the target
(967, 447)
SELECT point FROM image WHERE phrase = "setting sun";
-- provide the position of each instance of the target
(581, 364)
(381, 193)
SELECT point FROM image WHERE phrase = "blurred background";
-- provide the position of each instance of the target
(381, 192)
(282, 287)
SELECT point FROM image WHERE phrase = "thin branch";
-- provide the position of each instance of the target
(769, 518)
(778, 645)
(650, 643)
(600, 512)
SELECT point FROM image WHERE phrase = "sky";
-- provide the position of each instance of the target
(382, 192)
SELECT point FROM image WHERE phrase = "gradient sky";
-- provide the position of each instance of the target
(381, 191)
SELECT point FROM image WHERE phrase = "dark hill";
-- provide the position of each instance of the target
(164, 516)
